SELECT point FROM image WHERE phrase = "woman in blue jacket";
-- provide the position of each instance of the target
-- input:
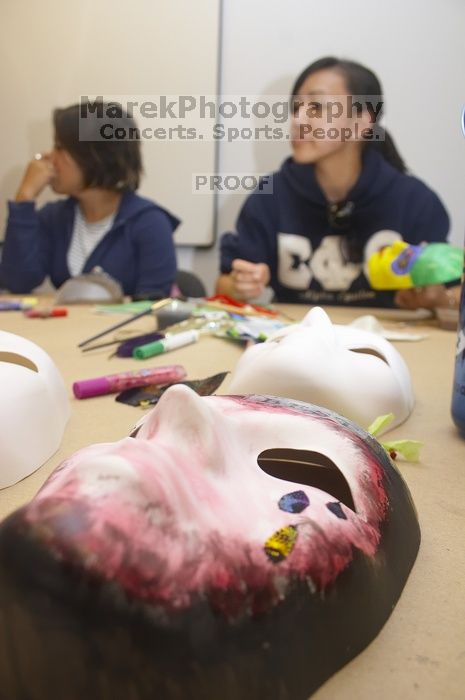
(102, 223)
(333, 204)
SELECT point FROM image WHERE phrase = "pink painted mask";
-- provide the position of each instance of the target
(255, 542)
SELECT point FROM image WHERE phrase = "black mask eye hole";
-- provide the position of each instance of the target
(308, 468)
(369, 351)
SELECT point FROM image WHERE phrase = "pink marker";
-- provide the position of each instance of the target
(111, 384)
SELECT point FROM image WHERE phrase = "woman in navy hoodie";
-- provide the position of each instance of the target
(103, 223)
(334, 203)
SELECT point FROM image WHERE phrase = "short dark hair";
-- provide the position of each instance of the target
(113, 164)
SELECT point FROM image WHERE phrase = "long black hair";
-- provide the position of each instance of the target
(360, 81)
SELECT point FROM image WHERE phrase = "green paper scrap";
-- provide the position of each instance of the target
(408, 449)
(380, 423)
(130, 307)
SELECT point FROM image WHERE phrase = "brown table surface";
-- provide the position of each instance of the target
(420, 653)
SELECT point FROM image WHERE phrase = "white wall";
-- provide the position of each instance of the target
(52, 52)
(414, 46)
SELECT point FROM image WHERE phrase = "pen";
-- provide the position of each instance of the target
(12, 306)
(46, 313)
(113, 383)
(178, 340)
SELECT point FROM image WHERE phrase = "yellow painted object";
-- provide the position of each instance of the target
(380, 272)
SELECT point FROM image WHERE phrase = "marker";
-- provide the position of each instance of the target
(113, 383)
(178, 340)
(14, 305)
(58, 312)
(11, 306)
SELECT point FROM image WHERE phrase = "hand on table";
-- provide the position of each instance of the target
(249, 279)
(434, 296)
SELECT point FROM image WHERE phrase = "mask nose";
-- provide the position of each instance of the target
(186, 420)
(317, 319)
(180, 408)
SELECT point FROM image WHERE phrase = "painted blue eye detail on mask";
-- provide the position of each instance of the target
(336, 509)
(294, 502)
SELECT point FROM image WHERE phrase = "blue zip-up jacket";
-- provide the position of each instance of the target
(138, 250)
(318, 258)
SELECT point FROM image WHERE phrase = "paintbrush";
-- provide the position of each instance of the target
(157, 305)
(126, 345)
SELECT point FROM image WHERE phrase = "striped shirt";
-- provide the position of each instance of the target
(85, 238)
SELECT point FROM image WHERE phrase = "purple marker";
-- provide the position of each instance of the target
(13, 305)
(113, 383)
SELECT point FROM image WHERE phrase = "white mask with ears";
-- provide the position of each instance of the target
(34, 408)
(355, 373)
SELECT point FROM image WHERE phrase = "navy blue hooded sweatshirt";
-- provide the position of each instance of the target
(316, 253)
(138, 251)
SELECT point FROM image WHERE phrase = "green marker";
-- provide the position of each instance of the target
(178, 340)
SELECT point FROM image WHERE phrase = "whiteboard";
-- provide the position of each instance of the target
(416, 49)
(55, 51)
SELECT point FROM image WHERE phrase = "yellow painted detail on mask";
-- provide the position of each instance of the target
(281, 543)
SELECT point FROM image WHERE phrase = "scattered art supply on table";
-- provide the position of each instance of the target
(256, 329)
(214, 316)
(172, 342)
(57, 312)
(126, 348)
(145, 312)
(129, 307)
(89, 348)
(148, 396)
(126, 345)
(113, 383)
(205, 321)
(22, 304)
(12, 306)
(175, 312)
(226, 303)
(231, 326)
